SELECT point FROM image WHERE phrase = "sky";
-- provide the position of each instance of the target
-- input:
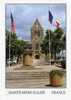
(25, 14)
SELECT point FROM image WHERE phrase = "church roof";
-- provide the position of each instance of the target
(37, 24)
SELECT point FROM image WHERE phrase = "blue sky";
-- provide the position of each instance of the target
(25, 14)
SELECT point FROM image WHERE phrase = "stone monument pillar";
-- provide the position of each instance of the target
(27, 56)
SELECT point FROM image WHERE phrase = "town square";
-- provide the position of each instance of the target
(35, 45)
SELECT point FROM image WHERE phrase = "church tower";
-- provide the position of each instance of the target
(36, 38)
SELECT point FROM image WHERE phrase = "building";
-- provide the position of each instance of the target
(36, 38)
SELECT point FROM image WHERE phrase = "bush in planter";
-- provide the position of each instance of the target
(56, 78)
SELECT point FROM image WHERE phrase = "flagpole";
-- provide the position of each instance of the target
(10, 43)
(12, 30)
(50, 20)
(49, 48)
(9, 48)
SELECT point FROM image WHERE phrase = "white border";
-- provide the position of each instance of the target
(4, 91)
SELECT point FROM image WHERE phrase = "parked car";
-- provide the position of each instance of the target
(11, 61)
(14, 61)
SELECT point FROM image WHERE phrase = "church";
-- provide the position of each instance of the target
(33, 48)
(36, 39)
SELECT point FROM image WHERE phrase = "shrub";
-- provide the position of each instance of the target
(56, 72)
(56, 78)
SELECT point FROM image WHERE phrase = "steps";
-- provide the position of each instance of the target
(36, 77)
(40, 62)
(27, 75)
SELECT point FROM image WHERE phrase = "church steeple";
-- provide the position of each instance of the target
(36, 37)
(36, 24)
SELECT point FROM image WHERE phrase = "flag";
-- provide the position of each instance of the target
(50, 17)
(13, 27)
(57, 23)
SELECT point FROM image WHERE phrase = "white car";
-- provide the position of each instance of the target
(14, 61)
(10, 62)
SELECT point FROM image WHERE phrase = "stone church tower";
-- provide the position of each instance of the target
(36, 38)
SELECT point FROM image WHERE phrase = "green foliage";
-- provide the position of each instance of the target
(15, 46)
(56, 72)
(45, 44)
(57, 42)
(19, 47)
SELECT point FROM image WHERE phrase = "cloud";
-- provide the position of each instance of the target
(25, 14)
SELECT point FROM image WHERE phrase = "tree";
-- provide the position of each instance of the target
(45, 44)
(10, 44)
(57, 42)
(7, 44)
(14, 47)
(19, 48)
